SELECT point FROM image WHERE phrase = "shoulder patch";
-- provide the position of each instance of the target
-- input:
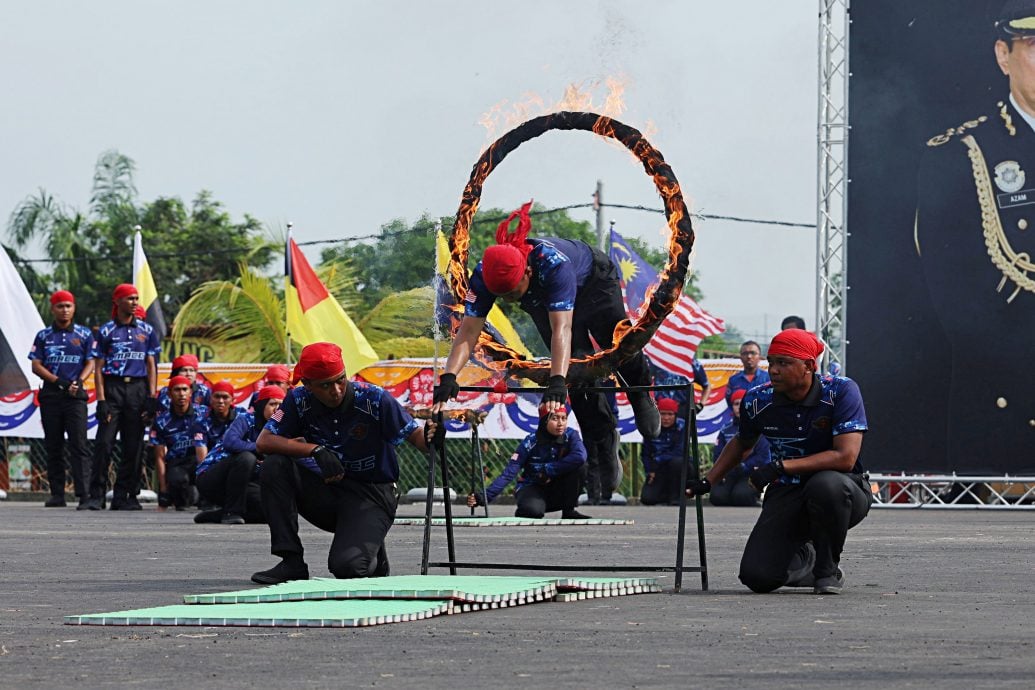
(947, 135)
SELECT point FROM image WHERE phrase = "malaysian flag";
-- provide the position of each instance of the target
(674, 344)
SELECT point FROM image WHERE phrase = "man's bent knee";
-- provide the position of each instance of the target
(351, 563)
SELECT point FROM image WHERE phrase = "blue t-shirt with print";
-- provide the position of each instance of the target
(177, 434)
(63, 351)
(126, 347)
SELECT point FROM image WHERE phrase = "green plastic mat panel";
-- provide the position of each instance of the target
(474, 589)
(350, 613)
(508, 522)
(470, 589)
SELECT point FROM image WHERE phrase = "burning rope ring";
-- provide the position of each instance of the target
(629, 338)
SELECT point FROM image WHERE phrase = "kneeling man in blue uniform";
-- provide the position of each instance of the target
(330, 457)
(817, 489)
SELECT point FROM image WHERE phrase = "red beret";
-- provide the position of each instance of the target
(738, 395)
(503, 266)
(124, 290)
(667, 405)
(62, 296)
(796, 343)
(179, 381)
(278, 373)
(270, 393)
(185, 361)
(319, 361)
(223, 387)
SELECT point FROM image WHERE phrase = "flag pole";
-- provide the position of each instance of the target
(436, 326)
(287, 279)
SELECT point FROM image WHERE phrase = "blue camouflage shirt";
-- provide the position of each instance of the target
(177, 434)
(739, 381)
(363, 434)
(759, 454)
(125, 348)
(667, 447)
(559, 268)
(200, 394)
(832, 407)
(63, 351)
(534, 455)
(239, 438)
(210, 430)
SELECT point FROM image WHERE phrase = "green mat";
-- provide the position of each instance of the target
(472, 589)
(301, 614)
(508, 522)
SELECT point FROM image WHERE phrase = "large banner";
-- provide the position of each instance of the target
(411, 382)
(941, 216)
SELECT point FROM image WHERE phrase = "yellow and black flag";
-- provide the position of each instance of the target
(144, 282)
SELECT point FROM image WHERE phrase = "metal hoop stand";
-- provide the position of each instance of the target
(690, 465)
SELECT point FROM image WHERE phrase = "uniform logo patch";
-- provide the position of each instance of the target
(141, 337)
(1009, 177)
(471, 297)
(821, 424)
(359, 432)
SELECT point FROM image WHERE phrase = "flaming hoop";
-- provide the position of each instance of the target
(629, 338)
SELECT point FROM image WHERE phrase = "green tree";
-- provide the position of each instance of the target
(92, 251)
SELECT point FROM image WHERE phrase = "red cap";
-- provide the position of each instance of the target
(179, 381)
(503, 266)
(185, 361)
(223, 387)
(62, 296)
(738, 395)
(278, 373)
(667, 405)
(796, 343)
(270, 393)
(124, 290)
(319, 361)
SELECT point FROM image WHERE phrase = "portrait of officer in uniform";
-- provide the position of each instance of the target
(975, 240)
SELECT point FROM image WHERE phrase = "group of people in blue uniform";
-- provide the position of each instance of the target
(323, 446)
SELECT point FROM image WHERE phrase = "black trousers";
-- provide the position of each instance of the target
(598, 309)
(179, 477)
(359, 514)
(229, 484)
(665, 488)
(733, 491)
(602, 466)
(821, 509)
(562, 493)
(63, 414)
(126, 401)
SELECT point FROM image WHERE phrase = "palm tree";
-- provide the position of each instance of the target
(41, 217)
(401, 323)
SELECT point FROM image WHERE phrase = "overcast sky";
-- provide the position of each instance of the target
(340, 115)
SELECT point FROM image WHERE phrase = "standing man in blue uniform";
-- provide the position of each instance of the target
(752, 375)
(61, 356)
(572, 293)
(126, 380)
(178, 448)
(817, 489)
(330, 457)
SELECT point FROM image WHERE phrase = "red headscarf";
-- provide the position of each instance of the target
(667, 405)
(738, 395)
(270, 393)
(319, 361)
(278, 373)
(185, 361)
(504, 263)
(140, 312)
(543, 414)
(123, 290)
(796, 343)
(179, 381)
(62, 296)
(223, 387)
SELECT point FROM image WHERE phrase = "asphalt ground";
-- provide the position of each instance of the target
(933, 598)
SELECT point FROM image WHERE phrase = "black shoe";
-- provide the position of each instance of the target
(84, 503)
(92, 504)
(232, 519)
(383, 568)
(133, 504)
(648, 419)
(574, 515)
(285, 571)
(180, 509)
(832, 584)
(209, 516)
(55, 502)
(805, 559)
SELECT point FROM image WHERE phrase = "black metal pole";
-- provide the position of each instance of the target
(474, 459)
(699, 501)
(690, 421)
(448, 506)
(481, 475)
(426, 552)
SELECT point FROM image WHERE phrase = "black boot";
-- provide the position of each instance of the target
(290, 568)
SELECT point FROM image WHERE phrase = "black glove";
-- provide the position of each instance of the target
(697, 487)
(102, 411)
(763, 476)
(698, 406)
(438, 438)
(164, 499)
(328, 462)
(63, 384)
(447, 388)
(556, 390)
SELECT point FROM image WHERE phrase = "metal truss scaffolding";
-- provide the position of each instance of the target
(952, 491)
(833, 176)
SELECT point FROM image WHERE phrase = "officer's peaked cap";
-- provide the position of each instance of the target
(1017, 18)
